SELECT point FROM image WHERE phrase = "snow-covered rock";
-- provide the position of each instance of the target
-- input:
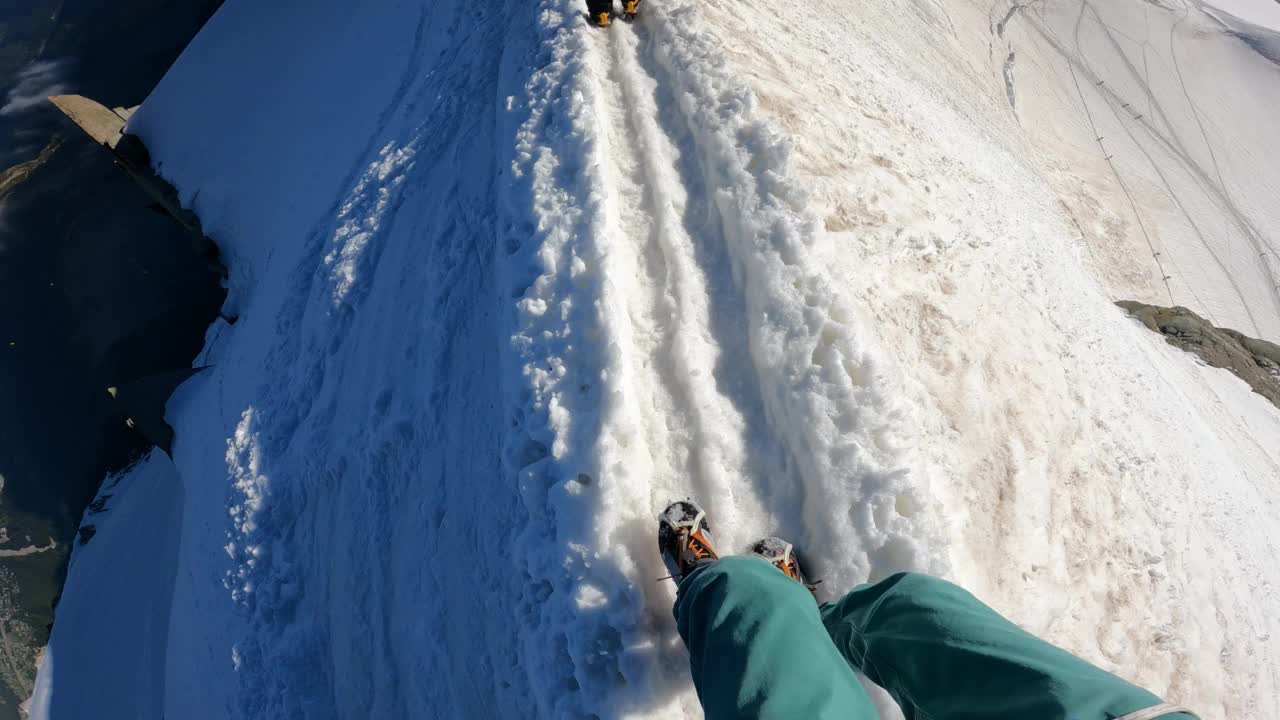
(1255, 361)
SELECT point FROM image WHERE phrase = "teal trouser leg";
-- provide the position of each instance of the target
(757, 647)
(946, 656)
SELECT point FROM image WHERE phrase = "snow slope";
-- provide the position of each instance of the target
(519, 283)
(1153, 120)
(1075, 457)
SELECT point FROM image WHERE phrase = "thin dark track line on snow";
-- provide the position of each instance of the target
(1195, 111)
(1261, 245)
(1072, 61)
(1094, 128)
(1180, 152)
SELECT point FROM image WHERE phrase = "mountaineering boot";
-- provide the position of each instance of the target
(599, 12)
(684, 538)
(782, 555)
(630, 8)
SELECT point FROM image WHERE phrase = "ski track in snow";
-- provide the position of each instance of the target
(676, 340)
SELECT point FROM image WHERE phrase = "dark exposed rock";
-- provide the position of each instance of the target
(1257, 362)
(12, 177)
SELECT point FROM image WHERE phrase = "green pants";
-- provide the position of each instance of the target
(759, 647)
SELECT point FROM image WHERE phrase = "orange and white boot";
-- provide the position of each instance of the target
(782, 554)
(684, 538)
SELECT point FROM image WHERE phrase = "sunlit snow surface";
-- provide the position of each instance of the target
(505, 285)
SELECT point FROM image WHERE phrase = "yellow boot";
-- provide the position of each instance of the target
(630, 8)
(602, 19)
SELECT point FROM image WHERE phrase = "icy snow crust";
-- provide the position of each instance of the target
(505, 286)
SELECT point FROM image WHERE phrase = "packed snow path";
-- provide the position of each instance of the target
(689, 345)
(528, 281)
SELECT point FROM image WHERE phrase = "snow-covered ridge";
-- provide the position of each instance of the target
(521, 282)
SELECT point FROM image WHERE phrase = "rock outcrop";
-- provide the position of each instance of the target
(1257, 362)
(11, 178)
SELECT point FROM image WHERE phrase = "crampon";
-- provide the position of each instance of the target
(684, 538)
